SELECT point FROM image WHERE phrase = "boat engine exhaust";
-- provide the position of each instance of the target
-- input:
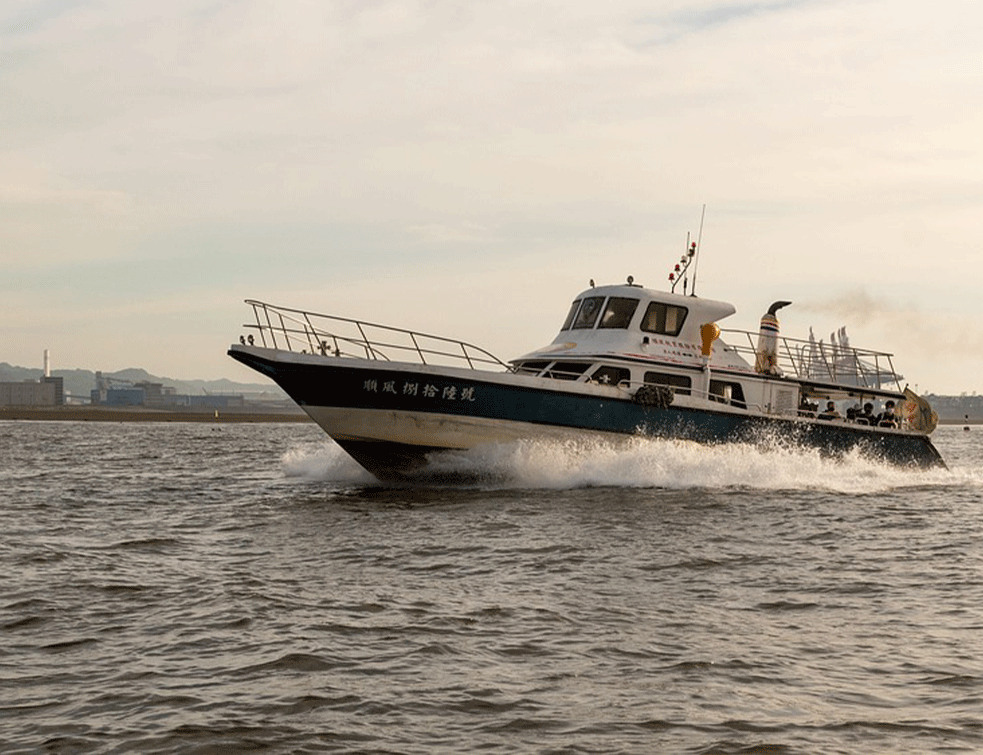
(766, 355)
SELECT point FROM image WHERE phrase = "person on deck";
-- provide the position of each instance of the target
(830, 412)
(887, 418)
(867, 417)
(806, 409)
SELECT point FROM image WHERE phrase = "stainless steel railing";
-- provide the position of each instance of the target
(312, 333)
(823, 362)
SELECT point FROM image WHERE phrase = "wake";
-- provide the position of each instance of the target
(640, 463)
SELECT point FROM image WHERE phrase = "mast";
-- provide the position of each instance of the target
(699, 240)
(689, 259)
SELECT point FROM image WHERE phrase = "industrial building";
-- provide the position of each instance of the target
(46, 391)
(69, 396)
(157, 396)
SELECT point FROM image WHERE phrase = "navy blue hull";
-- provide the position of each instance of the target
(337, 385)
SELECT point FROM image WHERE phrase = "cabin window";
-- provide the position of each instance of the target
(567, 370)
(727, 393)
(590, 308)
(608, 375)
(570, 315)
(531, 367)
(666, 319)
(618, 312)
(681, 384)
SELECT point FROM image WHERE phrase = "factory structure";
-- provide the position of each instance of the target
(46, 391)
(113, 392)
(70, 396)
(49, 391)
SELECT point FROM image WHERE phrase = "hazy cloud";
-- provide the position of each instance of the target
(318, 149)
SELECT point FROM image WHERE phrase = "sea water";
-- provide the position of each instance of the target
(206, 589)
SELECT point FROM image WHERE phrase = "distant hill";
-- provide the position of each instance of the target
(80, 383)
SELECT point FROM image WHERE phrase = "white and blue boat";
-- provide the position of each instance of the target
(627, 361)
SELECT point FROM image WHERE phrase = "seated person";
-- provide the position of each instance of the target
(830, 412)
(806, 409)
(887, 417)
(867, 417)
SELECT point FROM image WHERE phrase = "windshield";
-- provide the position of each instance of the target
(618, 312)
(589, 310)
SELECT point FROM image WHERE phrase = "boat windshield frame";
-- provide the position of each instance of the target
(590, 310)
(568, 322)
(618, 312)
(656, 318)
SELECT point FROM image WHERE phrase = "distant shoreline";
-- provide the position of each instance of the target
(142, 414)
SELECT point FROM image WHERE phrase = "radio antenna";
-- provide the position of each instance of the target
(699, 241)
(680, 272)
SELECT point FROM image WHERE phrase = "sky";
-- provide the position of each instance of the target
(465, 168)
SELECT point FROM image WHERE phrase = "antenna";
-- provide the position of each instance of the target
(699, 240)
(680, 272)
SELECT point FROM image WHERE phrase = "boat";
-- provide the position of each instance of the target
(628, 361)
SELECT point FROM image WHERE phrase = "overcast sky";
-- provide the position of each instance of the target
(464, 168)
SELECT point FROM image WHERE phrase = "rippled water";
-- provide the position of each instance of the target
(246, 588)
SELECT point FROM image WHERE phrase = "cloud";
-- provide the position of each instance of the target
(273, 147)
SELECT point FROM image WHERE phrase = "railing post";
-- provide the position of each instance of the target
(269, 324)
(283, 329)
(416, 345)
(311, 333)
(369, 351)
(791, 357)
(259, 324)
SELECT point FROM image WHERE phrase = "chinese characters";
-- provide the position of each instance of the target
(444, 392)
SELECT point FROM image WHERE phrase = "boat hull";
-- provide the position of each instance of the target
(391, 417)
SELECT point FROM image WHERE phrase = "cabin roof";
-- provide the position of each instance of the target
(671, 330)
(707, 310)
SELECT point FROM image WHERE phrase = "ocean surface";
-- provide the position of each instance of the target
(216, 589)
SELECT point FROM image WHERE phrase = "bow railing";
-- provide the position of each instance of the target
(297, 330)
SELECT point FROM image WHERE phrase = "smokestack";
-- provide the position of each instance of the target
(47, 363)
(766, 356)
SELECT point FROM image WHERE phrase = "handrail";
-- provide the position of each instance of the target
(309, 332)
(630, 387)
(830, 363)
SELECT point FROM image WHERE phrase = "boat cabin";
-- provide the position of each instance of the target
(626, 336)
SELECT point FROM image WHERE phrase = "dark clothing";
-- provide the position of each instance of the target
(887, 419)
